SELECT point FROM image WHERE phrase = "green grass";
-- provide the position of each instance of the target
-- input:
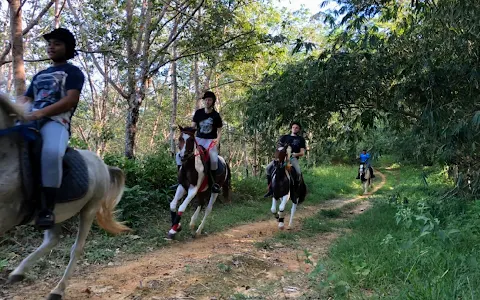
(331, 213)
(432, 253)
(147, 214)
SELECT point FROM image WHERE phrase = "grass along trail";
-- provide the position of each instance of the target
(218, 266)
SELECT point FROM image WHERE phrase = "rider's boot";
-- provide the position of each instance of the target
(216, 188)
(46, 218)
(270, 190)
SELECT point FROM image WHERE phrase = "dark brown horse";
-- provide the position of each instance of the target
(282, 185)
(193, 181)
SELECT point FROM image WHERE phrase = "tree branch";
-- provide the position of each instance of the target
(95, 61)
(25, 31)
(27, 60)
(155, 70)
(173, 37)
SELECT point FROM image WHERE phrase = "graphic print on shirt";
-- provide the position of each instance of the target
(49, 88)
(206, 126)
(295, 142)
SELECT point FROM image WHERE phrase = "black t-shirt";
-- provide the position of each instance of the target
(296, 142)
(207, 124)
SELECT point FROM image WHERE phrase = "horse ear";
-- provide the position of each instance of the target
(180, 127)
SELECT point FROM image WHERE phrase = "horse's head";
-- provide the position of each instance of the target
(187, 136)
(9, 111)
(361, 168)
(282, 154)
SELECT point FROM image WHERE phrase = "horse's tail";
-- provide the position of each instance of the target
(106, 214)
(227, 186)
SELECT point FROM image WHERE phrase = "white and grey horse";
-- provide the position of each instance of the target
(105, 190)
(365, 176)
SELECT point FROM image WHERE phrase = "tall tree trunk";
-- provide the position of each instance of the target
(255, 154)
(10, 79)
(245, 154)
(57, 14)
(159, 106)
(133, 105)
(173, 117)
(17, 46)
(196, 79)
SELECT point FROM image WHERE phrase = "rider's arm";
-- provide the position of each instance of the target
(302, 149)
(194, 120)
(27, 97)
(23, 99)
(219, 124)
(219, 135)
(65, 104)
(299, 154)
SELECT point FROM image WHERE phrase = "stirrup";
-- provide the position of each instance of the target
(216, 188)
(45, 220)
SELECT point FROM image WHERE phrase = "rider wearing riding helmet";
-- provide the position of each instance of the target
(208, 123)
(297, 142)
(54, 94)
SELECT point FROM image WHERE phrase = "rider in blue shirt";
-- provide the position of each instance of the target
(364, 156)
(365, 159)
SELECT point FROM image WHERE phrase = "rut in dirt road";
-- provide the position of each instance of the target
(183, 270)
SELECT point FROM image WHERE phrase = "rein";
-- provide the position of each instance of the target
(28, 132)
(201, 152)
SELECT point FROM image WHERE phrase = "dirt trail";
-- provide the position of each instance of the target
(211, 267)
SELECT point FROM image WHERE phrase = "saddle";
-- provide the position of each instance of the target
(75, 179)
(205, 157)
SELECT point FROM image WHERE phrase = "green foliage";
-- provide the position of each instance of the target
(411, 245)
(150, 171)
(401, 69)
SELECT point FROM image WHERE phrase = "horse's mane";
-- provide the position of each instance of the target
(11, 108)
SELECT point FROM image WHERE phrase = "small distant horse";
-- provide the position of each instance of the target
(365, 177)
(282, 184)
(101, 186)
(193, 181)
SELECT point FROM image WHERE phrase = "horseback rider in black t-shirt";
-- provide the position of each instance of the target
(208, 123)
(297, 143)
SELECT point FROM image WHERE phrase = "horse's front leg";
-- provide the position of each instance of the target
(274, 208)
(192, 191)
(194, 218)
(281, 211)
(84, 226)
(173, 204)
(294, 208)
(50, 240)
(209, 208)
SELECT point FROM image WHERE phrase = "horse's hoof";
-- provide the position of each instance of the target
(15, 278)
(289, 228)
(281, 226)
(170, 236)
(54, 297)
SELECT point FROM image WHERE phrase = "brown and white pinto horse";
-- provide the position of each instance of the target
(192, 181)
(282, 185)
